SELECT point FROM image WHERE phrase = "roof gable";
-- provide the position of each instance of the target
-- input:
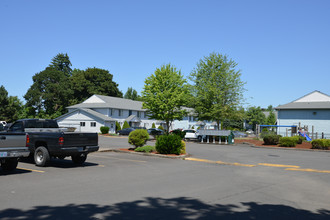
(313, 100)
(94, 99)
(315, 96)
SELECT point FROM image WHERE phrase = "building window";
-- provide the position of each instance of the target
(130, 113)
(138, 114)
(110, 112)
(120, 112)
(93, 124)
(82, 124)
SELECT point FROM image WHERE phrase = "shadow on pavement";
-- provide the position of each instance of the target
(159, 208)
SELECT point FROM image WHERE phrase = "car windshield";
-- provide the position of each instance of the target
(189, 131)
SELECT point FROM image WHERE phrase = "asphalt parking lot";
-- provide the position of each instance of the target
(231, 182)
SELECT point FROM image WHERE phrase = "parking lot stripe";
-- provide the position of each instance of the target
(277, 165)
(308, 170)
(219, 162)
(38, 171)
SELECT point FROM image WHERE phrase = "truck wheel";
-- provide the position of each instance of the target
(9, 164)
(41, 156)
(79, 159)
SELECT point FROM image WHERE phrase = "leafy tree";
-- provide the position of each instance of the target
(164, 93)
(254, 116)
(49, 94)
(10, 106)
(271, 118)
(4, 102)
(86, 83)
(131, 94)
(153, 125)
(126, 125)
(217, 88)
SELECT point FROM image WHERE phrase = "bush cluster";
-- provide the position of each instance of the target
(287, 142)
(323, 144)
(146, 149)
(169, 144)
(271, 139)
(299, 139)
(104, 130)
(138, 137)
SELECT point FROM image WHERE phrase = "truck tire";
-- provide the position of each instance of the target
(41, 156)
(9, 164)
(79, 159)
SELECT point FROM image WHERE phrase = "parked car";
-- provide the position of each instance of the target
(125, 131)
(139, 128)
(155, 131)
(190, 134)
(239, 134)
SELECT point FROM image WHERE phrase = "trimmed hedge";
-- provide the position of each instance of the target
(146, 149)
(138, 137)
(169, 144)
(271, 139)
(323, 144)
(104, 130)
(287, 142)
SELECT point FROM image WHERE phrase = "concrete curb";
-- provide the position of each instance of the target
(145, 154)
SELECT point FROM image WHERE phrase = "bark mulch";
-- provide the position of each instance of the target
(304, 145)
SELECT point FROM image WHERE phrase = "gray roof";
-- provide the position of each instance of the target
(304, 105)
(91, 112)
(112, 102)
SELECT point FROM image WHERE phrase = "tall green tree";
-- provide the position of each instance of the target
(4, 102)
(271, 118)
(254, 116)
(164, 93)
(85, 83)
(61, 62)
(10, 106)
(49, 94)
(217, 88)
(131, 94)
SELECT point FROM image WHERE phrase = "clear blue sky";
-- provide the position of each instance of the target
(282, 47)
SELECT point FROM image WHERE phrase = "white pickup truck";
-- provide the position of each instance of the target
(12, 147)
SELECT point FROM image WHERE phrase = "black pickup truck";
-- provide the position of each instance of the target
(46, 140)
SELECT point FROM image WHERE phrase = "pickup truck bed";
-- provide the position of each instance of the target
(12, 147)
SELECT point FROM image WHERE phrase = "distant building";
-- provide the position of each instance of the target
(311, 110)
(99, 110)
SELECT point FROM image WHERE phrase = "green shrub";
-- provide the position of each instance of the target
(183, 149)
(287, 142)
(179, 133)
(104, 130)
(271, 139)
(323, 144)
(146, 149)
(160, 127)
(138, 137)
(125, 125)
(266, 132)
(169, 144)
(298, 139)
(118, 127)
(153, 125)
